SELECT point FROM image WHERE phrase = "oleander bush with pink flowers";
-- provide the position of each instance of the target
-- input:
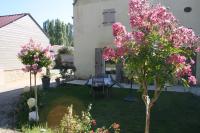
(157, 49)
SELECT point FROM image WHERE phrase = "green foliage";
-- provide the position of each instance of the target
(83, 124)
(65, 50)
(37, 129)
(59, 33)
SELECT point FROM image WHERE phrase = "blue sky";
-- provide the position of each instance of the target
(41, 10)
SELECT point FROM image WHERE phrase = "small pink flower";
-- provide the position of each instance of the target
(118, 29)
(35, 66)
(108, 53)
(192, 80)
(138, 36)
(192, 61)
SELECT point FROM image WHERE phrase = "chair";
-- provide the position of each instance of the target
(98, 85)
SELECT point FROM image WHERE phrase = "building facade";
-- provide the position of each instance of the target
(93, 26)
(16, 30)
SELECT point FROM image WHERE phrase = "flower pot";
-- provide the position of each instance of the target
(45, 82)
(57, 81)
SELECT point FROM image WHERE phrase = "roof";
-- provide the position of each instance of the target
(5, 20)
(8, 19)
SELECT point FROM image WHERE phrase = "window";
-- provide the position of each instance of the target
(108, 16)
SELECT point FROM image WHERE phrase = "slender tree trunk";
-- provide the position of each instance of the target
(147, 126)
(30, 82)
(147, 102)
(36, 98)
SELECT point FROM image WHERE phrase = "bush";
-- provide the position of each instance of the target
(65, 50)
(84, 123)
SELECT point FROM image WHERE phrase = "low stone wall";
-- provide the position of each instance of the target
(1, 77)
(14, 75)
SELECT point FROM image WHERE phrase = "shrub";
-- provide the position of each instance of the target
(65, 50)
(84, 123)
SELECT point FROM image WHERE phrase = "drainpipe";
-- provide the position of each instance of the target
(75, 1)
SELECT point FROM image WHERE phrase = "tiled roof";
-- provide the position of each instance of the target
(5, 20)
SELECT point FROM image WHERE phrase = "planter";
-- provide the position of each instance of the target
(57, 81)
(45, 82)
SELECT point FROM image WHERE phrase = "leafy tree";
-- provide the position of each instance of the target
(59, 33)
(158, 49)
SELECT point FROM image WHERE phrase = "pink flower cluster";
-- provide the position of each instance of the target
(118, 29)
(34, 68)
(182, 68)
(182, 36)
(32, 54)
(108, 54)
(176, 58)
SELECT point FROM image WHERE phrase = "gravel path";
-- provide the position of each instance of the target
(8, 101)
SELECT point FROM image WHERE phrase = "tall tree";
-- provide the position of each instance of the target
(58, 32)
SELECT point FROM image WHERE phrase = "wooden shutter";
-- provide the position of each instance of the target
(108, 16)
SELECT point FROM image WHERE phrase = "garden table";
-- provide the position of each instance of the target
(106, 82)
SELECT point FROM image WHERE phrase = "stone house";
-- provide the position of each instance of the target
(93, 21)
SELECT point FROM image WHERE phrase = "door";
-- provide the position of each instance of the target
(99, 62)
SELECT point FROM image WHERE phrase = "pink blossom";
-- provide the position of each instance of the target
(138, 36)
(118, 29)
(36, 58)
(186, 70)
(182, 36)
(176, 58)
(27, 68)
(35, 66)
(48, 54)
(120, 52)
(197, 50)
(108, 54)
(192, 61)
(192, 80)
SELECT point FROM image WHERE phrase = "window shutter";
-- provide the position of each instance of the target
(108, 16)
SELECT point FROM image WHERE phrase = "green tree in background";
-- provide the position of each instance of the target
(59, 33)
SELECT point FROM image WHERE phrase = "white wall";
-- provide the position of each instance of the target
(90, 33)
(13, 36)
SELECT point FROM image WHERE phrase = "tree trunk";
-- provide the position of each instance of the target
(148, 111)
(147, 126)
(36, 99)
(30, 82)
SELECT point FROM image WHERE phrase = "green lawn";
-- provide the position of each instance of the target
(173, 112)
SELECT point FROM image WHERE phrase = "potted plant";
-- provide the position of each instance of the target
(57, 81)
(46, 79)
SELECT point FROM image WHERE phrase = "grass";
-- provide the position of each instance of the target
(173, 112)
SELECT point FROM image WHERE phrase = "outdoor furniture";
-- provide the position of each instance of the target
(97, 85)
(102, 83)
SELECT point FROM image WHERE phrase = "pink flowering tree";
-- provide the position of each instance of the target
(158, 49)
(34, 57)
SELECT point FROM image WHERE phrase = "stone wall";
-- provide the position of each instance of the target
(14, 75)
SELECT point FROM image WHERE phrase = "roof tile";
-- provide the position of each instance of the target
(5, 20)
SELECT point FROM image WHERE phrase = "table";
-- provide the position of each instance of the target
(108, 83)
